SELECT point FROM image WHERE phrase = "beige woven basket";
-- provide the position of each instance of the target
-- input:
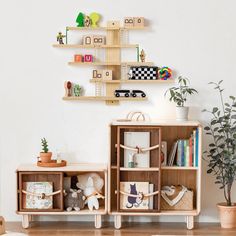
(186, 203)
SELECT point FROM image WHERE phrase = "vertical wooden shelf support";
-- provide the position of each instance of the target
(190, 222)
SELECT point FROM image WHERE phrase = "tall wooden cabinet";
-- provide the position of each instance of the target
(168, 131)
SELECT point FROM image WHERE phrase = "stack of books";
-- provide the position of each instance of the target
(185, 152)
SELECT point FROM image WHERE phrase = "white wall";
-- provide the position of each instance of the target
(195, 38)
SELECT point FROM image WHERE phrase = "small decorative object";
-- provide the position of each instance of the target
(74, 200)
(135, 116)
(92, 185)
(143, 73)
(107, 74)
(127, 93)
(142, 56)
(2, 226)
(138, 21)
(78, 58)
(37, 195)
(45, 155)
(179, 95)
(99, 40)
(164, 153)
(77, 90)
(60, 37)
(87, 21)
(68, 88)
(113, 23)
(176, 198)
(95, 17)
(131, 160)
(58, 160)
(165, 73)
(88, 40)
(52, 163)
(80, 20)
(129, 22)
(97, 74)
(88, 58)
(222, 152)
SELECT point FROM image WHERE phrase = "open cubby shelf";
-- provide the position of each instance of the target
(156, 174)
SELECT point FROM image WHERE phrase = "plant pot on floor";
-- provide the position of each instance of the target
(182, 113)
(227, 215)
(45, 157)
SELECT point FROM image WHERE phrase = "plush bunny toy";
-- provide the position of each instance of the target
(74, 200)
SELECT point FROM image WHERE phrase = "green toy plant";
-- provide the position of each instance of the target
(95, 17)
(80, 20)
(44, 145)
(221, 156)
(180, 93)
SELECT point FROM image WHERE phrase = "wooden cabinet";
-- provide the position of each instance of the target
(188, 176)
(33, 173)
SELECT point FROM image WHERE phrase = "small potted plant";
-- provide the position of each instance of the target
(179, 95)
(221, 156)
(45, 155)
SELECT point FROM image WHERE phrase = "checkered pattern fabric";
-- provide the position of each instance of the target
(143, 73)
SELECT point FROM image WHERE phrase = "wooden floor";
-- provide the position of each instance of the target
(132, 229)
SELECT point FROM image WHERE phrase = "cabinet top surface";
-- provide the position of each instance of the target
(159, 122)
(70, 167)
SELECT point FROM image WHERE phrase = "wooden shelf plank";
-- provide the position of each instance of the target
(104, 98)
(179, 168)
(139, 169)
(105, 28)
(133, 81)
(92, 46)
(94, 63)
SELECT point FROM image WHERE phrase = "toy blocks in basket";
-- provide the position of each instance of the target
(176, 198)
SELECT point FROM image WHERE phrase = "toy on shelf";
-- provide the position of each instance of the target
(113, 23)
(2, 226)
(87, 21)
(142, 56)
(60, 37)
(74, 200)
(78, 58)
(95, 17)
(139, 21)
(90, 40)
(128, 93)
(131, 22)
(97, 74)
(143, 73)
(77, 90)
(80, 20)
(135, 116)
(88, 58)
(102, 74)
(92, 185)
(68, 88)
(165, 73)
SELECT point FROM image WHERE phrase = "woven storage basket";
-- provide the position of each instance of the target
(186, 203)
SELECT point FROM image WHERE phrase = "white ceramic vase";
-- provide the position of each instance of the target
(182, 113)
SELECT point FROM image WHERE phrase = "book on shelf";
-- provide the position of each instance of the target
(186, 151)
(163, 153)
(137, 139)
(136, 202)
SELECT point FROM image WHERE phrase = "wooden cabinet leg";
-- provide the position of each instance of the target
(31, 218)
(117, 221)
(98, 221)
(25, 221)
(190, 222)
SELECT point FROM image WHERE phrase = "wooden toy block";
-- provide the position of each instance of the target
(113, 23)
(138, 21)
(129, 22)
(78, 58)
(88, 40)
(97, 74)
(88, 58)
(99, 40)
(107, 74)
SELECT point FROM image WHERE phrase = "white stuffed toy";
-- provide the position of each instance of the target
(91, 184)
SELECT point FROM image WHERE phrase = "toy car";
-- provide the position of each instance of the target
(127, 93)
(134, 93)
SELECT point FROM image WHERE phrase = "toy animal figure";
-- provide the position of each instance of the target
(60, 37)
(134, 201)
(142, 56)
(74, 200)
(87, 21)
(2, 226)
(77, 90)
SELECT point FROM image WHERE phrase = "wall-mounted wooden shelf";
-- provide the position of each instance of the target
(105, 28)
(103, 98)
(97, 46)
(129, 81)
(110, 63)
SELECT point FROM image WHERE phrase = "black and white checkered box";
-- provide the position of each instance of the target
(143, 73)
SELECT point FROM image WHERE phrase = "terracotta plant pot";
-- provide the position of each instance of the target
(227, 215)
(45, 157)
(182, 113)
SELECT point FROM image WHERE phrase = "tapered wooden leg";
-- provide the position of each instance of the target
(31, 218)
(98, 221)
(117, 221)
(190, 222)
(25, 221)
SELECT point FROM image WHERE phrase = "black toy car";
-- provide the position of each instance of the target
(134, 93)
(127, 93)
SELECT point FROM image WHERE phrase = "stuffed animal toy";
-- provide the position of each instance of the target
(91, 184)
(74, 200)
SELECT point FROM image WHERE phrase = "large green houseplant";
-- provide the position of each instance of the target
(179, 96)
(221, 156)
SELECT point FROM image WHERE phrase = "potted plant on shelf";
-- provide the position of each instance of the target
(221, 156)
(45, 155)
(179, 95)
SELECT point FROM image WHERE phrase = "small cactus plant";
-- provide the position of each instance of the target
(44, 145)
